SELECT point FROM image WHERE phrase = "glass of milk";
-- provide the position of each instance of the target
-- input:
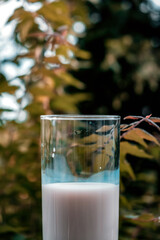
(80, 177)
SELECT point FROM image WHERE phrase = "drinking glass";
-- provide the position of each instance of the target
(80, 177)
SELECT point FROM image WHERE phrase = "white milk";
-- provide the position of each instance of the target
(80, 211)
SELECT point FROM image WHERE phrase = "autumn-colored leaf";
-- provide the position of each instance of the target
(140, 120)
(105, 128)
(123, 126)
(100, 143)
(127, 127)
(93, 138)
(132, 136)
(24, 28)
(25, 22)
(63, 51)
(53, 60)
(138, 135)
(32, 1)
(46, 85)
(155, 119)
(39, 34)
(129, 148)
(133, 117)
(17, 14)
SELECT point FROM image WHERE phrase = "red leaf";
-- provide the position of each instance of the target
(133, 117)
(155, 119)
(125, 127)
(148, 116)
(38, 34)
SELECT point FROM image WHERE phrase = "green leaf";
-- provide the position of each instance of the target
(24, 28)
(68, 79)
(67, 103)
(127, 169)
(64, 103)
(81, 12)
(100, 161)
(39, 91)
(5, 110)
(145, 220)
(146, 217)
(64, 51)
(81, 53)
(44, 72)
(148, 177)
(124, 202)
(35, 109)
(56, 13)
(91, 154)
(7, 228)
(155, 151)
(78, 158)
(129, 148)
(84, 159)
(5, 87)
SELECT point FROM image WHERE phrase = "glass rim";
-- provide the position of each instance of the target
(79, 117)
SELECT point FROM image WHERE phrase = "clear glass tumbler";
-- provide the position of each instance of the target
(80, 177)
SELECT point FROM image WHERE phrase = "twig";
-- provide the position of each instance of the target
(135, 124)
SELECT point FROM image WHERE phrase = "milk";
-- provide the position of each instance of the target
(80, 211)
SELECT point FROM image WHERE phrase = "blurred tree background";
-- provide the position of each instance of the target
(91, 57)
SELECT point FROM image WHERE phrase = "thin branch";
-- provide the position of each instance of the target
(152, 123)
(135, 124)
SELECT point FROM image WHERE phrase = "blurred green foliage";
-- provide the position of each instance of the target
(124, 41)
(118, 60)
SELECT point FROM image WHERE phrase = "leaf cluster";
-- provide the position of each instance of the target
(46, 84)
(139, 196)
